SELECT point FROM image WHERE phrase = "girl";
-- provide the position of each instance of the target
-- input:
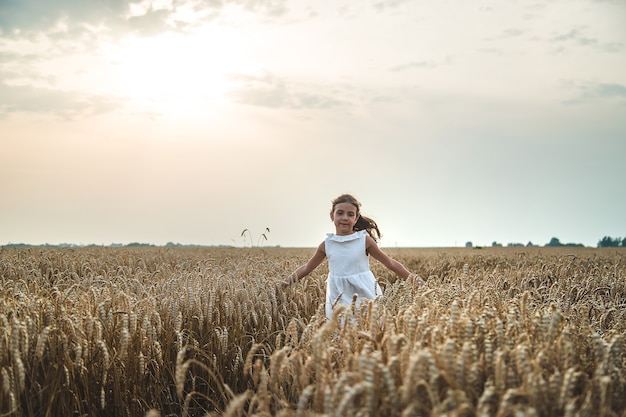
(347, 251)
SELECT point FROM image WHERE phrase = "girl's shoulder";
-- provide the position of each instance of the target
(321, 249)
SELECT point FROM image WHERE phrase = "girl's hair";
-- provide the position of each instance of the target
(362, 223)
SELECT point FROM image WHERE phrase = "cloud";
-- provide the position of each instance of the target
(511, 33)
(24, 87)
(274, 92)
(414, 65)
(16, 60)
(272, 8)
(604, 90)
(151, 23)
(422, 64)
(64, 104)
(25, 17)
(389, 4)
(594, 91)
(577, 36)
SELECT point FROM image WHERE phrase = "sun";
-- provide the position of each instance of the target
(176, 71)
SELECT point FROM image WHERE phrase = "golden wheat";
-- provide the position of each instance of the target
(162, 331)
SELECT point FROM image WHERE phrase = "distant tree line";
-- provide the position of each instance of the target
(556, 242)
(112, 245)
(605, 242)
(74, 245)
(609, 242)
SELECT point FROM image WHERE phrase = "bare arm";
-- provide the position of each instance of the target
(373, 249)
(304, 270)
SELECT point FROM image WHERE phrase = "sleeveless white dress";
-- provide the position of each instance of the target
(349, 270)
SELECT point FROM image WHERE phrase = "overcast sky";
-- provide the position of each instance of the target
(191, 120)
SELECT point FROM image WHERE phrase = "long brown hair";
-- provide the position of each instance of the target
(363, 222)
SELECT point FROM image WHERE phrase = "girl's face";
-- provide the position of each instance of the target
(344, 215)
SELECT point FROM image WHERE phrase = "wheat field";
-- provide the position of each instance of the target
(101, 331)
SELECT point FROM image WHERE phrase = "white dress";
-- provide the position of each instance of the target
(349, 270)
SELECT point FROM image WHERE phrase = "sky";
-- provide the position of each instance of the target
(190, 121)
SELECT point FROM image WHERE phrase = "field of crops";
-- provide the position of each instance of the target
(194, 332)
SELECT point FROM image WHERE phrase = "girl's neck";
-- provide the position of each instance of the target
(344, 234)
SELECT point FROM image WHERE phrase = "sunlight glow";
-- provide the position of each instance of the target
(177, 70)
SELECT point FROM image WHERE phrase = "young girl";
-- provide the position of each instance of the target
(347, 251)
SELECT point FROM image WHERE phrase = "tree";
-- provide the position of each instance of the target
(609, 242)
(554, 242)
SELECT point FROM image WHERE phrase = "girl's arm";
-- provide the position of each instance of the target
(373, 249)
(304, 270)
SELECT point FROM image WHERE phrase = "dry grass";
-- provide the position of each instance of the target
(174, 332)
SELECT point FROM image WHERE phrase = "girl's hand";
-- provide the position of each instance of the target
(293, 278)
(415, 280)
